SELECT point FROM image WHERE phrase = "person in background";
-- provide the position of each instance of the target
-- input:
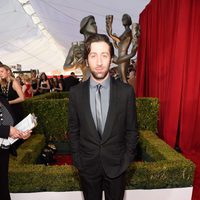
(27, 87)
(44, 85)
(70, 81)
(12, 91)
(132, 78)
(56, 85)
(19, 80)
(34, 83)
(7, 129)
(62, 82)
(103, 136)
(114, 73)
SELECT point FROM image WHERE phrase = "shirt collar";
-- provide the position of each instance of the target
(105, 83)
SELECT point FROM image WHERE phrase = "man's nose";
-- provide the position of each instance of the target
(99, 60)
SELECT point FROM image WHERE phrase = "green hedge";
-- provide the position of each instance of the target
(165, 169)
(147, 113)
(159, 166)
(29, 150)
(162, 166)
(51, 111)
(52, 108)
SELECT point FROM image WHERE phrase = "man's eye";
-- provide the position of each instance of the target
(92, 55)
(105, 55)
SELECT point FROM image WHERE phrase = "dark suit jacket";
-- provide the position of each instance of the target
(117, 147)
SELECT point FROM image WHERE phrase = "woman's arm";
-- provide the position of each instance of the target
(60, 87)
(18, 89)
(24, 88)
(48, 85)
(37, 88)
(10, 131)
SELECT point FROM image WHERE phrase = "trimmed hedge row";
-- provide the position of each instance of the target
(51, 111)
(52, 108)
(29, 151)
(165, 169)
(159, 166)
(147, 113)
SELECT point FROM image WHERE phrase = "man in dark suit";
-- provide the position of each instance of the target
(102, 125)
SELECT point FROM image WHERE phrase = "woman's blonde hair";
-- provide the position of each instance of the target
(26, 78)
(3, 82)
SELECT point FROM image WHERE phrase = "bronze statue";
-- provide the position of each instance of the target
(75, 57)
(123, 42)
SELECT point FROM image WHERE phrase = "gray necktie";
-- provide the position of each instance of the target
(98, 108)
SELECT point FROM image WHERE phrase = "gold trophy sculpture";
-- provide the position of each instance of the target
(123, 42)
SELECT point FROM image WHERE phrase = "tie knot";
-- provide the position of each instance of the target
(99, 87)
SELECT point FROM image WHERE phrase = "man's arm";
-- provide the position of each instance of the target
(131, 126)
(74, 129)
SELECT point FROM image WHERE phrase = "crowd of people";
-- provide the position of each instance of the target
(11, 94)
(24, 86)
(13, 91)
(33, 85)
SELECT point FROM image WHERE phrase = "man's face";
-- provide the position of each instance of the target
(99, 60)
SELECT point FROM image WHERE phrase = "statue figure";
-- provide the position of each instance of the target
(123, 42)
(75, 58)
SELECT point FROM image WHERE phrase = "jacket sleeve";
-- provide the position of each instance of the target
(4, 131)
(74, 129)
(132, 135)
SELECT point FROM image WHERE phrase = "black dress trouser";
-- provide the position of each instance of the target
(93, 185)
(4, 161)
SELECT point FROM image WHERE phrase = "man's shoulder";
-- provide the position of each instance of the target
(121, 84)
(78, 87)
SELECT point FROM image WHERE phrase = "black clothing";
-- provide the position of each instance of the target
(69, 82)
(109, 156)
(17, 109)
(4, 154)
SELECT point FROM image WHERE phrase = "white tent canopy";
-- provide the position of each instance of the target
(22, 42)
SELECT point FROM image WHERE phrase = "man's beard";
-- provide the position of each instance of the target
(99, 76)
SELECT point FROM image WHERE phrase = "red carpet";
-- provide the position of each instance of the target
(62, 159)
(67, 159)
(195, 157)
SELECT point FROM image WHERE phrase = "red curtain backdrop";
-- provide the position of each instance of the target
(168, 67)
